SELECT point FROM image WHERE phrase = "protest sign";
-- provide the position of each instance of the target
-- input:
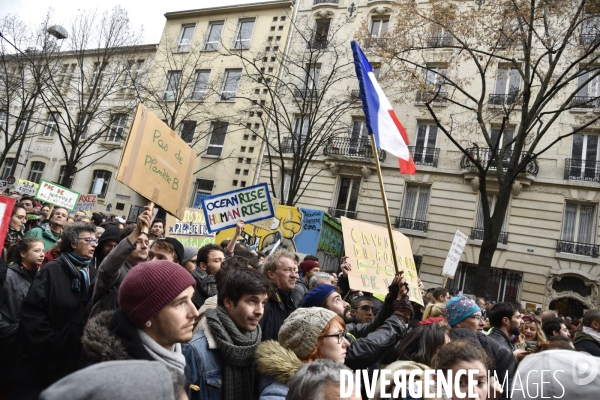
(157, 163)
(86, 203)
(191, 230)
(456, 250)
(26, 187)
(370, 254)
(3, 185)
(55, 194)
(7, 204)
(252, 203)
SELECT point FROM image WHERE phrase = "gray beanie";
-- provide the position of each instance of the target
(302, 328)
(131, 380)
(188, 253)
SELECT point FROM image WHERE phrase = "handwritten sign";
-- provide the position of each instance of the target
(26, 187)
(191, 230)
(59, 196)
(456, 250)
(86, 203)
(369, 252)
(157, 163)
(7, 204)
(252, 203)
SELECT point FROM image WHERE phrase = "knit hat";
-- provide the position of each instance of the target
(149, 287)
(459, 308)
(188, 253)
(307, 265)
(317, 296)
(176, 245)
(302, 328)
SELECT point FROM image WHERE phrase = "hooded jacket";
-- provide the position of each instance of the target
(409, 367)
(16, 286)
(111, 233)
(584, 342)
(43, 231)
(277, 365)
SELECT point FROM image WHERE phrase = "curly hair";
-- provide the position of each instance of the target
(70, 235)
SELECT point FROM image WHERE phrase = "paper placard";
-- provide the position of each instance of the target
(191, 230)
(252, 203)
(370, 255)
(55, 194)
(26, 187)
(456, 249)
(86, 203)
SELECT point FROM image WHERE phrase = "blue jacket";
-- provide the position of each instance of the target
(204, 369)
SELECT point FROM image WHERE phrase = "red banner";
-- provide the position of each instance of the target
(7, 204)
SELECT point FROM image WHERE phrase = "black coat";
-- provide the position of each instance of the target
(51, 327)
(506, 361)
(584, 342)
(279, 306)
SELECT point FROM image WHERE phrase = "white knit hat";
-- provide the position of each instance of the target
(302, 328)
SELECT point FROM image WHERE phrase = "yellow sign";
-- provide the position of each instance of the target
(370, 254)
(157, 163)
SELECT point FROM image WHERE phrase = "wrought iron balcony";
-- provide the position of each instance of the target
(589, 38)
(316, 2)
(412, 224)
(504, 99)
(477, 234)
(349, 147)
(425, 155)
(309, 94)
(585, 102)
(582, 170)
(433, 96)
(355, 94)
(289, 146)
(342, 213)
(484, 154)
(582, 249)
(439, 41)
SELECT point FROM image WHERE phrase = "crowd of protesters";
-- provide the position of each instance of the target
(96, 309)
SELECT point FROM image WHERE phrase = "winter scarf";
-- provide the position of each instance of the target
(172, 359)
(592, 332)
(81, 275)
(237, 349)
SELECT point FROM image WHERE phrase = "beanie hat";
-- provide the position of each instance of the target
(306, 266)
(188, 254)
(302, 328)
(176, 245)
(317, 296)
(149, 287)
(459, 308)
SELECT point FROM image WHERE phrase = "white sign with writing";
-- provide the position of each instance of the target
(59, 196)
(456, 250)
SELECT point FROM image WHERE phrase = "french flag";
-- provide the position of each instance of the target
(381, 120)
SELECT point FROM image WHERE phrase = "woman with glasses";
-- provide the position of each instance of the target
(16, 228)
(52, 314)
(306, 335)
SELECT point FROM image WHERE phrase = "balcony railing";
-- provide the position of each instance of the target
(439, 41)
(589, 38)
(585, 102)
(349, 147)
(309, 94)
(503, 99)
(582, 249)
(582, 170)
(484, 154)
(289, 146)
(412, 224)
(425, 155)
(342, 213)
(355, 94)
(477, 234)
(433, 96)
(317, 44)
(315, 2)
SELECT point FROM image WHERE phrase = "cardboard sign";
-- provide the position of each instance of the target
(55, 194)
(7, 204)
(370, 254)
(86, 203)
(252, 203)
(191, 230)
(456, 250)
(26, 187)
(157, 163)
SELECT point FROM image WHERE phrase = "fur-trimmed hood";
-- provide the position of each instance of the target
(276, 361)
(99, 343)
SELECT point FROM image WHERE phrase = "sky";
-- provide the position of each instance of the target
(146, 13)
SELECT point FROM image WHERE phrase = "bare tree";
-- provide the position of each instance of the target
(505, 72)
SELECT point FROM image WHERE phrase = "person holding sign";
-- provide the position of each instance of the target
(50, 230)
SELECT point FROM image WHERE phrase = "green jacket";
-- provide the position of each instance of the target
(42, 231)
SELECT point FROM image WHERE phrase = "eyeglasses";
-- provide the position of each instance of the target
(479, 317)
(340, 336)
(90, 240)
(367, 308)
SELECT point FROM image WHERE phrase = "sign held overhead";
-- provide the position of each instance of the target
(52, 193)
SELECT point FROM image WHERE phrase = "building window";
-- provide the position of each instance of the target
(347, 198)
(243, 183)
(584, 158)
(100, 182)
(187, 131)
(173, 78)
(51, 125)
(134, 71)
(508, 84)
(230, 84)
(83, 124)
(434, 85)
(214, 35)
(37, 169)
(8, 167)
(300, 135)
(587, 96)
(185, 40)
(65, 77)
(414, 208)
(502, 285)
(379, 26)
(248, 161)
(61, 175)
(244, 34)
(98, 75)
(313, 74)
(203, 188)
(218, 131)
(246, 172)
(237, 171)
(235, 182)
(424, 151)
(477, 232)
(578, 230)
(240, 160)
(117, 128)
(200, 85)
(23, 123)
(590, 28)
(319, 39)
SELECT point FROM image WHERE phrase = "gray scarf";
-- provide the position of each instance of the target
(237, 350)
(172, 359)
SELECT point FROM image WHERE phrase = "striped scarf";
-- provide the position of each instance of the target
(80, 275)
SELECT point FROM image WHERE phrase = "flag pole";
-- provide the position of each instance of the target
(385, 204)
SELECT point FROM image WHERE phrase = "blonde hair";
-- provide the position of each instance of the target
(272, 262)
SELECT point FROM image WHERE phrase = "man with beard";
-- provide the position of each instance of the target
(209, 260)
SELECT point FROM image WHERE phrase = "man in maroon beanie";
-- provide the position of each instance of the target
(156, 315)
(308, 268)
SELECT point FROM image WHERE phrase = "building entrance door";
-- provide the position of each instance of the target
(568, 307)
